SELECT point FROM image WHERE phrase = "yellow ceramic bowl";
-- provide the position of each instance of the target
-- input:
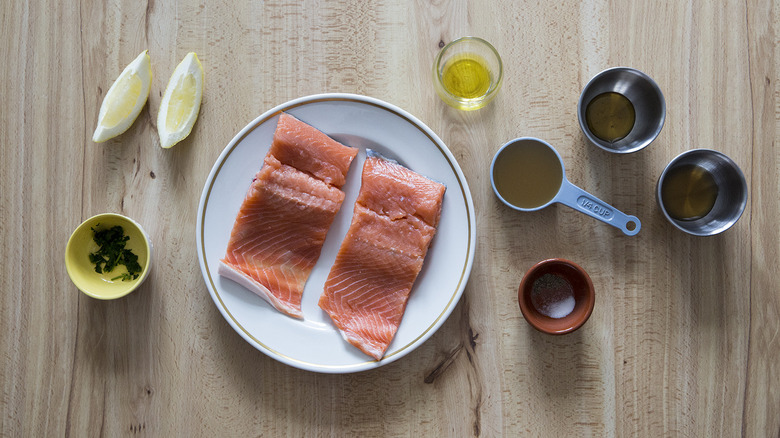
(82, 271)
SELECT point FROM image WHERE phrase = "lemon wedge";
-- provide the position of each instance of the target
(125, 99)
(180, 103)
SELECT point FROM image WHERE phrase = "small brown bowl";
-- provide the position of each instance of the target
(556, 296)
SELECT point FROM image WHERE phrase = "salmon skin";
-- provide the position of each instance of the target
(395, 218)
(282, 223)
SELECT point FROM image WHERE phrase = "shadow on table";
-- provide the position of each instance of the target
(557, 364)
(359, 402)
(702, 279)
(116, 359)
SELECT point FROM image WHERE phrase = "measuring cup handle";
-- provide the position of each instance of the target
(583, 201)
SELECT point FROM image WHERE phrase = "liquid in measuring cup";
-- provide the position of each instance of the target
(528, 174)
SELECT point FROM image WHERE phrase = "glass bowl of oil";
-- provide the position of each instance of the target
(621, 110)
(702, 192)
(468, 73)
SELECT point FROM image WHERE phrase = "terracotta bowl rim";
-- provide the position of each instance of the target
(533, 317)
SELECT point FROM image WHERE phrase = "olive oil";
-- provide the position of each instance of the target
(527, 174)
(610, 116)
(688, 192)
(466, 76)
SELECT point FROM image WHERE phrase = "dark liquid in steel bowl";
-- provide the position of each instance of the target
(610, 116)
(688, 192)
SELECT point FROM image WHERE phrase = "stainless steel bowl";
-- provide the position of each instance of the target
(732, 192)
(645, 96)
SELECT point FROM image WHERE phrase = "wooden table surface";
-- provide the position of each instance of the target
(685, 336)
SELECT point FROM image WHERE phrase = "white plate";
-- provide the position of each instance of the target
(314, 343)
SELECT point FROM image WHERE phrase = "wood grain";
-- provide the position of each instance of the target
(684, 339)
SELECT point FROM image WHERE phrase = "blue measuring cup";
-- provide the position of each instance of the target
(527, 174)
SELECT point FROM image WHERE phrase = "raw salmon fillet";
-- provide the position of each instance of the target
(395, 218)
(284, 218)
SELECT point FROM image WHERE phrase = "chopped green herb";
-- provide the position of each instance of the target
(112, 253)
